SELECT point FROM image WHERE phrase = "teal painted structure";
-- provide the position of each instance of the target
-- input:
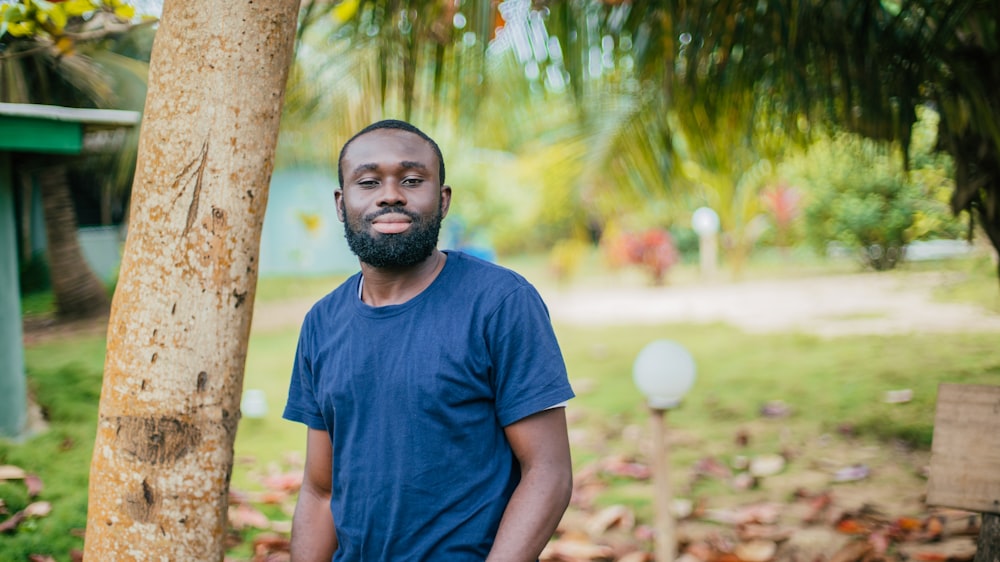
(27, 128)
(302, 235)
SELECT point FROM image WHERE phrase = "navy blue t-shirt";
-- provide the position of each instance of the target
(415, 398)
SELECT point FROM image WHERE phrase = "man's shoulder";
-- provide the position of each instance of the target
(485, 273)
(335, 300)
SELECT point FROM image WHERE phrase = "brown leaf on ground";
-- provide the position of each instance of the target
(629, 468)
(76, 555)
(756, 551)
(11, 472)
(571, 550)
(612, 516)
(711, 467)
(764, 513)
(244, 515)
(852, 552)
(818, 505)
(12, 522)
(41, 558)
(268, 543)
(287, 482)
(752, 532)
(852, 526)
(637, 556)
(34, 484)
(38, 509)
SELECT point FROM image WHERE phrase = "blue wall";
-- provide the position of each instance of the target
(302, 235)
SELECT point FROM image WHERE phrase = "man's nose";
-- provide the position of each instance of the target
(392, 193)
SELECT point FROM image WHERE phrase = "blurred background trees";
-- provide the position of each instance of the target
(633, 113)
(568, 122)
(81, 53)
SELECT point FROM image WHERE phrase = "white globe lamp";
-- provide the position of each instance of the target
(705, 221)
(664, 372)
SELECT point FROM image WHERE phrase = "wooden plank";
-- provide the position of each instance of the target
(965, 453)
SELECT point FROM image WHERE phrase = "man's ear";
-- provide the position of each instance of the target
(445, 200)
(338, 199)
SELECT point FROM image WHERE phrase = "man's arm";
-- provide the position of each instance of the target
(541, 445)
(314, 538)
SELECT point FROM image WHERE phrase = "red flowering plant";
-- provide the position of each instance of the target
(652, 249)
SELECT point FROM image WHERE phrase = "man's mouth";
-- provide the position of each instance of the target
(391, 223)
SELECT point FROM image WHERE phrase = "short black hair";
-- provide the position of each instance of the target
(391, 124)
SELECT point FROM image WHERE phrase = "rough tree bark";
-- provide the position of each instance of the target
(988, 545)
(181, 314)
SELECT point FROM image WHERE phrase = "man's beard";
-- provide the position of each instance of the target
(393, 250)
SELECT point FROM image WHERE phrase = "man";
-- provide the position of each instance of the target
(431, 383)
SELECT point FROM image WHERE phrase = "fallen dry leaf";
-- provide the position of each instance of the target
(711, 467)
(933, 528)
(41, 558)
(569, 550)
(243, 516)
(773, 533)
(851, 473)
(850, 526)
(619, 466)
(612, 516)
(775, 409)
(880, 541)
(818, 505)
(12, 522)
(766, 465)
(898, 396)
(764, 513)
(637, 556)
(267, 543)
(852, 552)
(287, 482)
(38, 509)
(34, 484)
(11, 472)
(756, 551)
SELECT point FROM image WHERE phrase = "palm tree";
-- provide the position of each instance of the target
(799, 66)
(57, 57)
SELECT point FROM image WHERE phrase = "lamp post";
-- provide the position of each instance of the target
(705, 223)
(663, 371)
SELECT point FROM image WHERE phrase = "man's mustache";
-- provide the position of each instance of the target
(392, 210)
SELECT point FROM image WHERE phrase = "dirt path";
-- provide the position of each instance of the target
(895, 303)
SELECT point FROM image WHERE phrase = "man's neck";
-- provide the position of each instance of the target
(388, 286)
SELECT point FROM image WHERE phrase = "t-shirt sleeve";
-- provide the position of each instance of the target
(528, 368)
(302, 405)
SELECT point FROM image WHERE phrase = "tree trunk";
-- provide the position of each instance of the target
(988, 548)
(181, 314)
(78, 292)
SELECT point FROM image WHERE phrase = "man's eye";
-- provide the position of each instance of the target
(413, 181)
(367, 183)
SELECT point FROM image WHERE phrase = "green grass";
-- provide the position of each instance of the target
(270, 289)
(65, 379)
(829, 384)
(975, 281)
(38, 303)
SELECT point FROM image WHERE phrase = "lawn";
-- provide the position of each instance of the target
(833, 391)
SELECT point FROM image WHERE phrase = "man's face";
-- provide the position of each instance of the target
(392, 201)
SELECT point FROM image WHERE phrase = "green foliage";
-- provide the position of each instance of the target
(65, 381)
(34, 274)
(859, 195)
